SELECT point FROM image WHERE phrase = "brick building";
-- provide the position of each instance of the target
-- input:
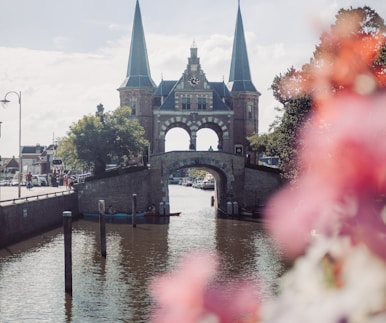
(192, 102)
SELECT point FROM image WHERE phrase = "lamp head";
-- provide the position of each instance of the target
(4, 103)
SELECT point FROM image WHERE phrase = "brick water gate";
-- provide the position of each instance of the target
(192, 102)
(235, 181)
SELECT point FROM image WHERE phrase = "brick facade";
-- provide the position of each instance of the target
(192, 102)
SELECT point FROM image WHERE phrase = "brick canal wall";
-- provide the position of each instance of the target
(260, 184)
(117, 189)
(251, 186)
(22, 220)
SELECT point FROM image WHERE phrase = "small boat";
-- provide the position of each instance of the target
(246, 212)
(118, 215)
(158, 214)
(256, 213)
(122, 215)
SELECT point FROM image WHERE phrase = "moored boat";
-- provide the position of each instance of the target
(174, 214)
(117, 215)
(246, 212)
(255, 213)
(122, 215)
(158, 214)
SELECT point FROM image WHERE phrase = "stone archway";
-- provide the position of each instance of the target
(223, 177)
(228, 170)
(192, 124)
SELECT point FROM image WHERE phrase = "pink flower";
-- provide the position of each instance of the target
(344, 171)
(347, 150)
(190, 295)
(297, 210)
(367, 227)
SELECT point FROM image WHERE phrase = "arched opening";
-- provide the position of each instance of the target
(198, 186)
(177, 139)
(207, 139)
(210, 181)
(178, 165)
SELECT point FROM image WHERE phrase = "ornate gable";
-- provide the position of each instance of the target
(193, 92)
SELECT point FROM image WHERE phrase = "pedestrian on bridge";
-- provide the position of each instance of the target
(29, 180)
(66, 182)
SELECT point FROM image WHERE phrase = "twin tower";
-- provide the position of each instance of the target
(231, 110)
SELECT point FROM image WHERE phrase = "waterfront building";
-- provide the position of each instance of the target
(192, 102)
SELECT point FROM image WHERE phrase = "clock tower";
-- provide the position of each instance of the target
(193, 69)
(192, 102)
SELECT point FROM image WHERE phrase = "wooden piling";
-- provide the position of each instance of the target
(102, 226)
(229, 208)
(67, 228)
(162, 208)
(134, 210)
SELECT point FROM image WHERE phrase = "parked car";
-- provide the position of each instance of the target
(39, 180)
(186, 181)
(4, 182)
(14, 182)
(80, 178)
(198, 183)
(208, 185)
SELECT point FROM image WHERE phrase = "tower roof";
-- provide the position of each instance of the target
(138, 71)
(240, 75)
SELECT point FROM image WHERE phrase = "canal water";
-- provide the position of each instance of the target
(115, 289)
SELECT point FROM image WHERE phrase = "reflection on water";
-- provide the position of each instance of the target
(115, 289)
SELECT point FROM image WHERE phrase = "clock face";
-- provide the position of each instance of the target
(193, 81)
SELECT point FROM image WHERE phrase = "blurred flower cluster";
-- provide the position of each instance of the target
(331, 223)
(191, 295)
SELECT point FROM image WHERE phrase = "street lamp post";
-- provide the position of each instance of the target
(4, 102)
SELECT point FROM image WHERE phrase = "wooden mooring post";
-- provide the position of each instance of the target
(67, 228)
(134, 210)
(102, 226)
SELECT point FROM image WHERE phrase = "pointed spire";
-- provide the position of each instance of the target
(138, 71)
(240, 75)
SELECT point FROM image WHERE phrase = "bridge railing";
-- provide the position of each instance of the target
(30, 198)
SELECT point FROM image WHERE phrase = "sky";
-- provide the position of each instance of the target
(66, 57)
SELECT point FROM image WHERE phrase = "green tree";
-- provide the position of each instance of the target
(127, 135)
(92, 142)
(95, 141)
(197, 172)
(266, 143)
(287, 137)
(67, 152)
